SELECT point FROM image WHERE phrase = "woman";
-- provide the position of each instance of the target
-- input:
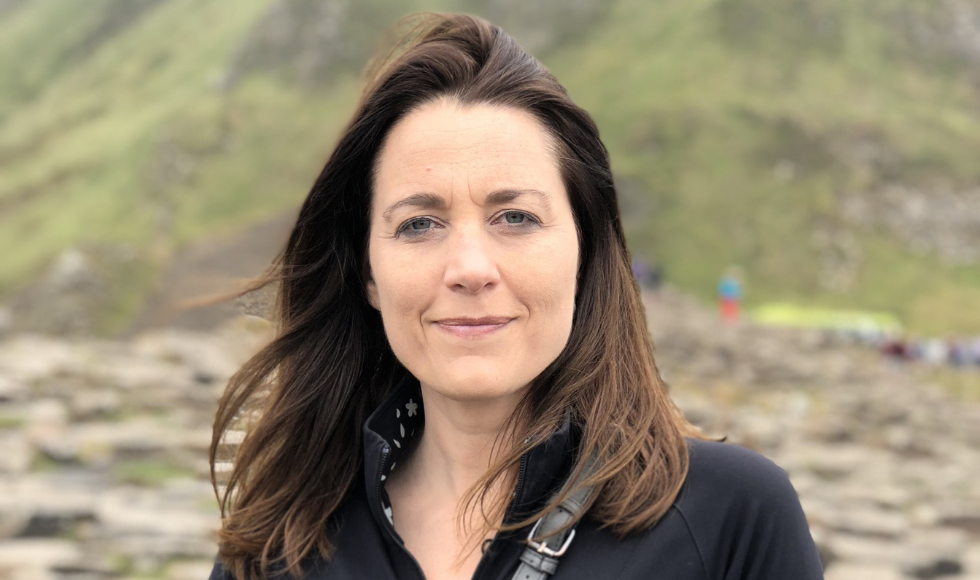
(462, 351)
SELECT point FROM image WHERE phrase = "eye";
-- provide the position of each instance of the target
(415, 227)
(419, 224)
(517, 219)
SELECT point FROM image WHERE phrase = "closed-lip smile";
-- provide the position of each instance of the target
(472, 327)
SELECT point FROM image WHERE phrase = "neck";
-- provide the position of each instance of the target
(460, 441)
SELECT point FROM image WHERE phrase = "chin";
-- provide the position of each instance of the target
(471, 384)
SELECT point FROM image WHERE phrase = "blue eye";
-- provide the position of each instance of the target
(515, 217)
(415, 227)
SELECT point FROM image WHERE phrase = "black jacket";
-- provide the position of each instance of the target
(736, 517)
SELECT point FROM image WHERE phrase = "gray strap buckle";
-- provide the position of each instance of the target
(542, 547)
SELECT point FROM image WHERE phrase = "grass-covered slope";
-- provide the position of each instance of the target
(86, 108)
(740, 129)
(138, 142)
(748, 125)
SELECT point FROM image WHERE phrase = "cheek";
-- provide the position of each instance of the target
(402, 289)
(548, 279)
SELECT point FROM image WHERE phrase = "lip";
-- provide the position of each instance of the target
(472, 327)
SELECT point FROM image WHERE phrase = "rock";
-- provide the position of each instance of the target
(885, 495)
(31, 358)
(149, 377)
(28, 573)
(140, 438)
(870, 522)
(47, 425)
(849, 571)
(832, 462)
(79, 290)
(6, 320)
(934, 552)
(967, 520)
(32, 508)
(190, 570)
(862, 550)
(16, 453)
(141, 525)
(12, 390)
(971, 558)
(885, 464)
(39, 555)
(938, 220)
(89, 568)
(48, 412)
(91, 404)
(924, 516)
(209, 359)
(936, 568)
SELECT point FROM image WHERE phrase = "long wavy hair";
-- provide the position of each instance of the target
(302, 400)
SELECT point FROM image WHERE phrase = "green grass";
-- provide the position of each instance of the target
(41, 463)
(701, 121)
(114, 131)
(8, 421)
(88, 133)
(827, 318)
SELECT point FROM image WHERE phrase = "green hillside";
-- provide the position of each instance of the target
(741, 132)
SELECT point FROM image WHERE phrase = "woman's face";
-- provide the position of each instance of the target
(473, 249)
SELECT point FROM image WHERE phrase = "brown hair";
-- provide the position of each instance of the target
(302, 399)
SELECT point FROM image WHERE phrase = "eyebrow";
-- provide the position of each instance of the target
(503, 196)
(494, 198)
(419, 200)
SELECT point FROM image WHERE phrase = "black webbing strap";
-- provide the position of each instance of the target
(540, 557)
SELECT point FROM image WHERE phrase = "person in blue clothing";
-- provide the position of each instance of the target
(730, 296)
(462, 383)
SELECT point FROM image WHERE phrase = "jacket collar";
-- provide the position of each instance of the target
(389, 432)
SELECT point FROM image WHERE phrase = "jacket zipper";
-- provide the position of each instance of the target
(386, 523)
(507, 514)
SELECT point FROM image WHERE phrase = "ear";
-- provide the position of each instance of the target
(371, 287)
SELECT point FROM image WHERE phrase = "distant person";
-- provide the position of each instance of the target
(462, 383)
(973, 352)
(730, 296)
(641, 271)
(897, 349)
(916, 349)
(648, 275)
(892, 349)
(935, 351)
(655, 276)
(958, 355)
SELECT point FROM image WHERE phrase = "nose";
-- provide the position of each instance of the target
(470, 265)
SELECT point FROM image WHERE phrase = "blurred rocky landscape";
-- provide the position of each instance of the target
(103, 444)
(104, 452)
(154, 151)
(884, 456)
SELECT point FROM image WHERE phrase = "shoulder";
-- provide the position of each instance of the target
(744, 514)
(357, 545)
(734, 474)
(724, 479)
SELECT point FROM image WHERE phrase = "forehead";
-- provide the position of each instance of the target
(479, 147)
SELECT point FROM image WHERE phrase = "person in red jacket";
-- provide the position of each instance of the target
(730, 296)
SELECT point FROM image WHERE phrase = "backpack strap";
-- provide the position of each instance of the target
(540, 557)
